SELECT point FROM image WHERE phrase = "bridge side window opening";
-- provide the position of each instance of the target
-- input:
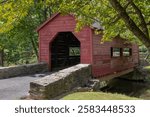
(74, 51)
(127, 52)
(116, 52)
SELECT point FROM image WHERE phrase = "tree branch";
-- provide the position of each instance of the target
(148, 23)
(130, 23)
(5, 1)
(126, 6)
(79, 10)
(115, 19)
(140, 15)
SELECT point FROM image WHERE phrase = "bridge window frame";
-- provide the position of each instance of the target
(74, 51)
(127, 52)
(116, 52)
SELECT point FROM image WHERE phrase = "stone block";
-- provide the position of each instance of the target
(60, 82)
(21, 70)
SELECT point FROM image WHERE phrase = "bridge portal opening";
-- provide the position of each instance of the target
(65, 51)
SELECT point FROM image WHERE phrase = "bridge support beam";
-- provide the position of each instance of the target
(116, 74)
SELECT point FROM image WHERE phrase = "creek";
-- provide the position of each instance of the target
(139, 89)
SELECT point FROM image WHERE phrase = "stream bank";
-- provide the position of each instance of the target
(139, 89)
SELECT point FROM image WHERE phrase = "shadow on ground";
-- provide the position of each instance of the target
(140, 89)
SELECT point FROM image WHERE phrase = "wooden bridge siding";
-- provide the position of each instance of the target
(135, 53)
(104, 64)
(64, 24)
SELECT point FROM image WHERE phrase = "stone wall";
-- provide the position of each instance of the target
(60, 82)
(7, 72)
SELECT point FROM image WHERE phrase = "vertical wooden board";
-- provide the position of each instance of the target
(64, 23)
(91, 50)
(102, 56)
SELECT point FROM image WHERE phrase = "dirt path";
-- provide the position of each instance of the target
(17, 87)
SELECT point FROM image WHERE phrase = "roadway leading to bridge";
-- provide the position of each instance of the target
(17, 87)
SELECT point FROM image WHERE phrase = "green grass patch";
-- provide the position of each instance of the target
(147, 68)
(97, 96)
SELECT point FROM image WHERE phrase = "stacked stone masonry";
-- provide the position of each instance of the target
(21, 70)
(60, 82)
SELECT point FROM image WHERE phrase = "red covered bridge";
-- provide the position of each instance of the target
(60, 46)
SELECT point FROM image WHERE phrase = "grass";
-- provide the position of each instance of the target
(147, 68)
(97, 96)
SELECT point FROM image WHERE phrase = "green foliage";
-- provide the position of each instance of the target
(142, 49)
(18, 23)
(89, 11)
(11, 12)
(74, 51)
(96, 96)
(19, 19)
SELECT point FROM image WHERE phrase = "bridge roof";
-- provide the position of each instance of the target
(95, 25)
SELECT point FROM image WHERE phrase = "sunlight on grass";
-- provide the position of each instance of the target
(147, 67)
(96, 96)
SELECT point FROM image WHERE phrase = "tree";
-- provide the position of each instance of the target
(140, 30)
(12, 15)
(128, 18)
(1, 57)
(18, 36)
(116, 16)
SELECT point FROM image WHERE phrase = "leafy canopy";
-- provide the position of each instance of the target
(11, 12)
(86, 11)
(18, 21)
(19, 18)
(89, 11)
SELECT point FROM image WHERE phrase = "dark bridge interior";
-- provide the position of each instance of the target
(65, 51)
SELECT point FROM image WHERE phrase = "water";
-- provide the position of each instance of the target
(140, 89)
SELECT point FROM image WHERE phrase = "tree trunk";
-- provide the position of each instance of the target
(1, 58)
(34, 47)
(130, 23)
